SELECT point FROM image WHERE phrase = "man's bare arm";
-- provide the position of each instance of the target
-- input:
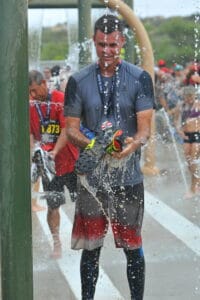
(61, 142)
(144, 119)
(74, 134)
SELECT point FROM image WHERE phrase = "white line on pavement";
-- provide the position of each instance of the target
(175, 223)
(69, 263)
(178, 225)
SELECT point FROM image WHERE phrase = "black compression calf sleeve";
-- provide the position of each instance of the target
(89, 269)
(135, 272)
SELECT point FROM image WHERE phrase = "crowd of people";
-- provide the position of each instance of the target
(110, 99)
(177, 92)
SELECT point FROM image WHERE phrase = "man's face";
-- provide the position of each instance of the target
(63, 82)
(38, 91)
(47, 74)
(108, 47)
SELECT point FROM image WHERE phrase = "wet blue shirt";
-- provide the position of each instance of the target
(134, 94)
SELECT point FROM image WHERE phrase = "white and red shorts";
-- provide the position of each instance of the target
(123, 207)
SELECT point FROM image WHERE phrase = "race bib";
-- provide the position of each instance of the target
(50, 132)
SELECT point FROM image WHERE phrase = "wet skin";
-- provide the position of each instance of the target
(38, 91)
(108, 48)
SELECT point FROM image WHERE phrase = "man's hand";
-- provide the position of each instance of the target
(52, 154)
(129, 147)
(117, 142)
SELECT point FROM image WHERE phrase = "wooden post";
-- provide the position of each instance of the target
(15, 194)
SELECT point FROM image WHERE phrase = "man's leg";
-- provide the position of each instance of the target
(89, 268)
(53, 219)
(35, 189)
(135, 272)
(55, 199)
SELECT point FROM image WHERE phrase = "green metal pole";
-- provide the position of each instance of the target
(85, 34)
(15, 196)
(129, 47)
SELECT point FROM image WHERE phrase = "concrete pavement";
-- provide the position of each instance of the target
(171, 237)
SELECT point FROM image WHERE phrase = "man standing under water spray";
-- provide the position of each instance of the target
(109, 96)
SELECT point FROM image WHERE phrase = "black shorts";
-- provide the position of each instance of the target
(193, 137)
(56, 197)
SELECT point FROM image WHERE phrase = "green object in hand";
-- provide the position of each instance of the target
(116, 144)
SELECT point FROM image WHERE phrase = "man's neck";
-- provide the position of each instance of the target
(108, 71)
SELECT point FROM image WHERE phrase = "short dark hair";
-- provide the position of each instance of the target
(108, 24)
(35, 76)
(55, 70)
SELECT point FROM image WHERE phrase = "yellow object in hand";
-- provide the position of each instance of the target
(91, 144)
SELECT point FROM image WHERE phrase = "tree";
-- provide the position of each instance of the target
(173, 39)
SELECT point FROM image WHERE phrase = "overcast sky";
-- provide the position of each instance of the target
(142, 8)
(166, 8)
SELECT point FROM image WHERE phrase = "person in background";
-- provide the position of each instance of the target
(54, 83)
(47, 73)
(168, 94)
(63, 78)
(119, 94)
(55, 70)
(47, 128)
(188, 126)
(48, 78)
(192, 76)
(178, 74)
(162, 66)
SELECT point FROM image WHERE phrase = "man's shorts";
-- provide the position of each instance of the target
(55, 189)
(123, 207)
